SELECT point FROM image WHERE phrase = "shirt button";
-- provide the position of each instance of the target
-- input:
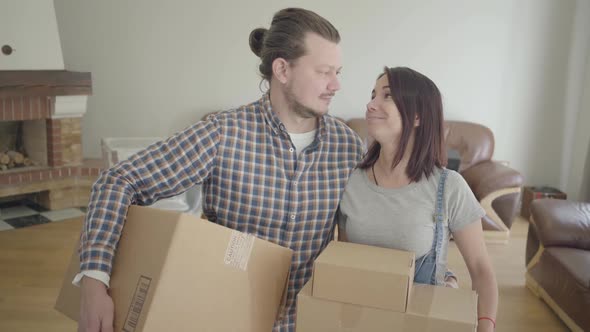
(291, 150)
(292, 216)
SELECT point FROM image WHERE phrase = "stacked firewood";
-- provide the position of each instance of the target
(13, 159)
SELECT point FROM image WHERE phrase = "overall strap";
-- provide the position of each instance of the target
(439, 213)
(440, 236)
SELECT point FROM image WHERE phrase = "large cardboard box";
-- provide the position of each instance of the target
(315, 315)
(175, 272)
(431, 309)
(438, 308)
(364, 275)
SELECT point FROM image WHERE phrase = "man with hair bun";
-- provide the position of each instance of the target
(292, 160)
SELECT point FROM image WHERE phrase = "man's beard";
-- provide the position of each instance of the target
(297, 107)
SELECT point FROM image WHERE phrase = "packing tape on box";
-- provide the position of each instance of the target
(422, 321)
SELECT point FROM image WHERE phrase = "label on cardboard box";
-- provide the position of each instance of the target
(139, 297)
(239, 250)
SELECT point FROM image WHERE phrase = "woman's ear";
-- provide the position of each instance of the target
(280, 69)
(416, 121)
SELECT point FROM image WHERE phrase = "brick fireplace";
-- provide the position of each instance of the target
(46, 107)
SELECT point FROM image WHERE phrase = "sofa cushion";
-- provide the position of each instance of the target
(562, 223)
(575, 261)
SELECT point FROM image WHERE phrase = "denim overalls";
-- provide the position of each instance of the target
(432, 267)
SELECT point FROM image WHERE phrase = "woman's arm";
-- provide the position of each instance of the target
(471, 244)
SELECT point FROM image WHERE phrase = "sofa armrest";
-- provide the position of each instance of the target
(562, 223)
(488, 177)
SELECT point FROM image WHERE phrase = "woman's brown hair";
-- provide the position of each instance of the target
(415, 96)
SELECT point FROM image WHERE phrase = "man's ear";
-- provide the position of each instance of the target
(280, 70)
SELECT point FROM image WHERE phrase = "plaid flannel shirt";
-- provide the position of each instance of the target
(253, 181)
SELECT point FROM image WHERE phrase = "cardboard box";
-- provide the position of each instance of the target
(315, 314)
(364, 275)
(438, 308)
(175, 272)
(432, 308)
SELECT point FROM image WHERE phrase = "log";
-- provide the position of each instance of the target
(4, 159)
(17, 157)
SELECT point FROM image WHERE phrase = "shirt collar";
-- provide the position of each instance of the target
(277, 126)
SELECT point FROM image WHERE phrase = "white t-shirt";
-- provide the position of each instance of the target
(301, 141)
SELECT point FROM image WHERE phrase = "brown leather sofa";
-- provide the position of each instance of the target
(558, 259)
(496, 186)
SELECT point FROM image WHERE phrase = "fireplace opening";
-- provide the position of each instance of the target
(23, 145)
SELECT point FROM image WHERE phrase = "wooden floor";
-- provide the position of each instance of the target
(32, 263)
(518, 309)
(33, 260)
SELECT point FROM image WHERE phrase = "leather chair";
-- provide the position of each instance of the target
(558, 259)
(496, 186)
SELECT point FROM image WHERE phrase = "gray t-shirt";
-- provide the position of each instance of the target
(403, 218)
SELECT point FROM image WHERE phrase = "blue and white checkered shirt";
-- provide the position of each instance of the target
(253, 181)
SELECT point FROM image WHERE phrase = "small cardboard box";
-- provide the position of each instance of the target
(364, 275)
(431, 309)
(176, 272)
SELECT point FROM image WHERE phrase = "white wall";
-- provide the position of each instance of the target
(159, 66)
(30, 27)
(578, 185)
(577, 105)
(585, 187)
